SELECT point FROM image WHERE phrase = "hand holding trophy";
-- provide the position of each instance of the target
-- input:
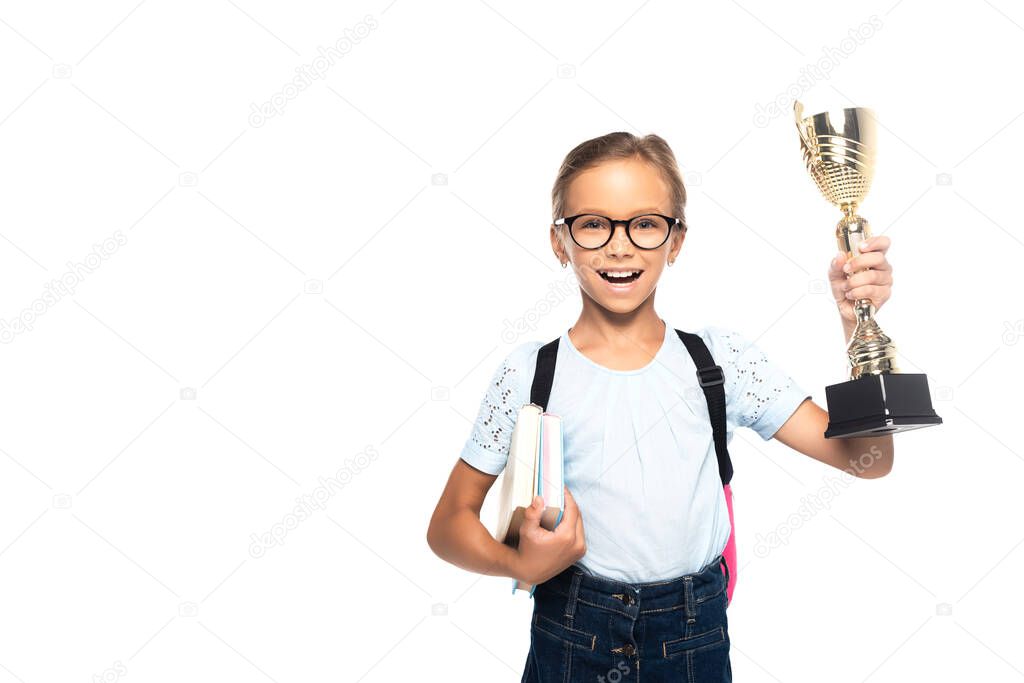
(878, 398)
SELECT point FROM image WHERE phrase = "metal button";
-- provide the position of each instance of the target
(626, 649)
(625, 598)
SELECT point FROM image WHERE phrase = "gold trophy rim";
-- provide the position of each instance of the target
(861, 151)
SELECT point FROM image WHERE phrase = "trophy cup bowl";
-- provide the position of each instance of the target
(839, 150)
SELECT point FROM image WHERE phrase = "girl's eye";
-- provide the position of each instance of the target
(644, 224)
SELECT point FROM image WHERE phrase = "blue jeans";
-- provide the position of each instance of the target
(587, 627)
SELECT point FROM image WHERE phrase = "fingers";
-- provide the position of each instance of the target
(569, 500)
(580, 541)
(871, 253)
(872, 259)
(835, 269)
(837, 278)
(570, 516)
(878, 294)
(571, 509)
(867, 277)
(879, 243)
(532, 516)
(570, 503)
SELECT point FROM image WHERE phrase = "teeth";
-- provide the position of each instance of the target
(624, 274)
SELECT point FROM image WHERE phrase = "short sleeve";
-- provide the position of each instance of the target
(759, 394)
(490, 437)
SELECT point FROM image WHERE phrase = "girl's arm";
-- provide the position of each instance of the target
(456, 534)
(868, 457)
(866, 275)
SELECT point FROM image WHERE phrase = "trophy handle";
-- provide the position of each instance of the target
(801, 128)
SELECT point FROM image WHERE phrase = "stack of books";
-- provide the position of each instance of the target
(535, 467)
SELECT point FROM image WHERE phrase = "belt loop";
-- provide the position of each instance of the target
(726, 565)
(574, 589)
(691, 612)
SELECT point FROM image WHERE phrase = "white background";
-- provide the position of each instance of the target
(289, 298)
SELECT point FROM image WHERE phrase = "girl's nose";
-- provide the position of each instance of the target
(620, 240)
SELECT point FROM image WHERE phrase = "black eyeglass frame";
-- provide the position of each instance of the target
(567, 221)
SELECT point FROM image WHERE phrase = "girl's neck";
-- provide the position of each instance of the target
(620, 341)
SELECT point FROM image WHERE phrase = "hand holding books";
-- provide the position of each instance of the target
(542, 553)
(533, 500)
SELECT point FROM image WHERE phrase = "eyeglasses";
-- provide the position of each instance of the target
(591, 231)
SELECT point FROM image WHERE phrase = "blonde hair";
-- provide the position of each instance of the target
(650, 148)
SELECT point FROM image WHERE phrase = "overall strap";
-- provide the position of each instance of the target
(712, 381)
(544, 375)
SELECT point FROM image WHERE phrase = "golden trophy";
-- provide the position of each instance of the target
(878, 398)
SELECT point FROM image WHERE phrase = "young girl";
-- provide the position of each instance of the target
(642, 587)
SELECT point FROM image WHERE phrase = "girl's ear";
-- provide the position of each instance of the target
(677, 244)
(557, 246)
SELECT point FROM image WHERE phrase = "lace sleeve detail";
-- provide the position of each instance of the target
(487, 447)
(759, 394)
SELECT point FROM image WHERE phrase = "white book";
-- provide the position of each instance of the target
(534, 467)
(518, 477)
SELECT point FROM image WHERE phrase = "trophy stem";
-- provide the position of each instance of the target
(870, 350)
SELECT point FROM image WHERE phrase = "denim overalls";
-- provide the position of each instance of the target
(587, 627)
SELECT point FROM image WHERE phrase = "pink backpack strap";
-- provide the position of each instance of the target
(729, 555)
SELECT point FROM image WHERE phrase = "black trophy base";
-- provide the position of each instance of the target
(879, 404)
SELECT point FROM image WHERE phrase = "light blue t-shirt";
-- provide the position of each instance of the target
(639, 453)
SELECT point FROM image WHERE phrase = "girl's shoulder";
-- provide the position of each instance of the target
(487, 446)
(732, 349)
(726, 343)
(517, 367)
(760, 393)
(522, 355)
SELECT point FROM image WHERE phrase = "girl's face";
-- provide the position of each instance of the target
(620, 190)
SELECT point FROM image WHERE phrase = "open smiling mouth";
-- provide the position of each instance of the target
(620, 277)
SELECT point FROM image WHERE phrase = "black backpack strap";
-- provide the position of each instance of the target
(544, 375)
(712, 381)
